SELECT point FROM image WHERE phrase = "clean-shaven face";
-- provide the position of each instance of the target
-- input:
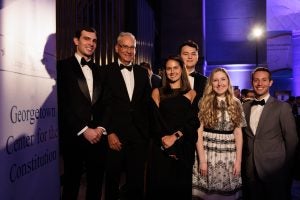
(189, 56)
(126, 49)
(86, 44)
(261, 83)
(220, 83)
(173, 70)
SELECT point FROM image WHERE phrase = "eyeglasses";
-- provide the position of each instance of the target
(125, 47)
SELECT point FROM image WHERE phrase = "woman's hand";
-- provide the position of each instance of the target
(168, 140)
(237, 168)
(203, 168)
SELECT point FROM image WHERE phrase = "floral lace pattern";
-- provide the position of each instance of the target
(220, 153)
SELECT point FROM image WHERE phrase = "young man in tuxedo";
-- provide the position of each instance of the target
(189, 53)
(270, 141)
(81, 126)
(128, 128)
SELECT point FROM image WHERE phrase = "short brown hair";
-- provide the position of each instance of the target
(261, 69)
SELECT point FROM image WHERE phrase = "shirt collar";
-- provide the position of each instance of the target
(265, 98)
(78, 57)
(119, 63)
(193, 70)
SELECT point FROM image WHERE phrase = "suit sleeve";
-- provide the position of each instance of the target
(289, 131)
(73, 112)
(101, 110)
(107, 99)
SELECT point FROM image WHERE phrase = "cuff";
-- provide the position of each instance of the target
(104, 130)
(82, 130)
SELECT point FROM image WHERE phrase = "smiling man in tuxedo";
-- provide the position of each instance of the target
(128, 137)
(81, 126)
(270, 141)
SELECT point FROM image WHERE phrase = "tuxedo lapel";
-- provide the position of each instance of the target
(119, 81)
(196, 82)
(81, 79)
(96, 86)
(137, 81)
(199, 84)
(247, 110)
(265, 113)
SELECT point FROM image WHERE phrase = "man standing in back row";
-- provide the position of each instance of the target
(189, 53)
(128, 129)
(154, 79)
(270, 141)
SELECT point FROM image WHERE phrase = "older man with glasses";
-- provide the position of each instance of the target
(128, 122)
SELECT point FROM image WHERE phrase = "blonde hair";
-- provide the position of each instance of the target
(208, 106)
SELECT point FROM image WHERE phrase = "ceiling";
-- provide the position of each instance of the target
(283, 15)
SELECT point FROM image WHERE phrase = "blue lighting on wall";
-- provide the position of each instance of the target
(240, 74)
(296, 63)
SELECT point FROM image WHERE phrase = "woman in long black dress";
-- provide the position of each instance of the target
(172, 155)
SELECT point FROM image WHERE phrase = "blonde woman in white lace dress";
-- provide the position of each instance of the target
(217, 170)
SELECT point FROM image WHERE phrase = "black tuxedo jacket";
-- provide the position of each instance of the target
(129, 120)
(76, 108)
(199, 85)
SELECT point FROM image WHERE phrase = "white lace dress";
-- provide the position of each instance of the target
(220, 150)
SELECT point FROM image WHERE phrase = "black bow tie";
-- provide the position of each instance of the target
(255, 102)
(84, 62)
(128, 67)
(193, 74)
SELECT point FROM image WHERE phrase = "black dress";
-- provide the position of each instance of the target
(171, 178)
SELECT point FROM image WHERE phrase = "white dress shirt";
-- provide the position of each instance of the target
(128, 77)
(255, 114)
(88, 75)
(191, 79)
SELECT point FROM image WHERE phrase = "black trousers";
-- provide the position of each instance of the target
(83, 157)
(130, 161)
(278, 188)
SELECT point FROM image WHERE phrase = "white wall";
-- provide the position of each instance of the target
(29, 153)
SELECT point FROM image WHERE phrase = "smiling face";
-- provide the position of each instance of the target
(173, 71)
(86, 44)
(126, 49)
(220, 83)
(261, 83)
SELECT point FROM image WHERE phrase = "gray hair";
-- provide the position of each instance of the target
(123, 34)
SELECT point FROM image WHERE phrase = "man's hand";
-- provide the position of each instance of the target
(93, 135)
(114, 142)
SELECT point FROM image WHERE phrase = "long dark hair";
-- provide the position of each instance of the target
(166, 91)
